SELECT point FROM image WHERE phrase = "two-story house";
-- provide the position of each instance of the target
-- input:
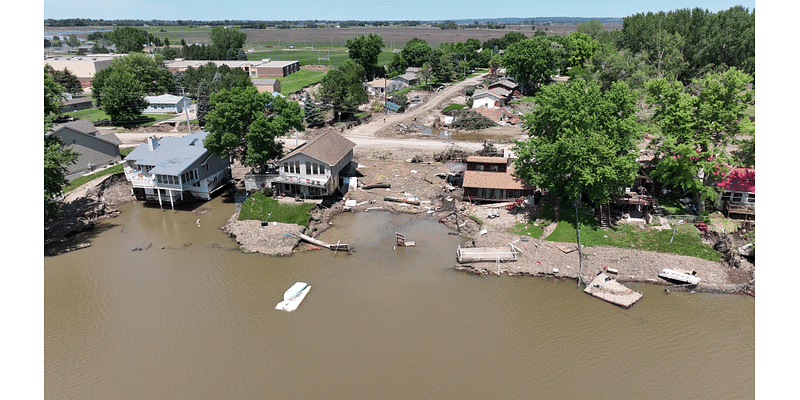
(493, 179)
(315, 169)
(175, 169)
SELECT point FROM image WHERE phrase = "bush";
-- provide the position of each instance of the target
(470, 120)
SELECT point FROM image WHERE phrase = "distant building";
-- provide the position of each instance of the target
(267, 85)
(255, 69)
(83, 67)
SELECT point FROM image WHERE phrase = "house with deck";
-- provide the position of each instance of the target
(737, 194)
(315, 169)
(96, 150)
(492, 179)
(171, 170)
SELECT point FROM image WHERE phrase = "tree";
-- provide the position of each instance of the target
(593, 28)
(581, 47)
(442, 66)
(582, 141)
(426, 73)
(149, 72)
(313, 113)
(695, 130)
(533, 62)
(66, 79)
(128, 39)
(416, 52)
(203, 102)
(365, 50)
(343, 87)
(123, 96)
(226, 42)
(244, 124)
(56, 157)
(53, 95)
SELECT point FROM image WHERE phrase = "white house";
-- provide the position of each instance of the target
(485, 98)
(165, 104)
(315, 169)
(175, 169)
(378, 86)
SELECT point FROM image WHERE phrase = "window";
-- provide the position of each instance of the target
(296, 167)
(737, 197)
(726, 196)
(286, 168)
(479, 167)
(493, 168)
(316, 168)
(751, 198)
(308, 168)
(322, 169)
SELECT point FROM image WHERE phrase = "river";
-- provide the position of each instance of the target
(164, 305)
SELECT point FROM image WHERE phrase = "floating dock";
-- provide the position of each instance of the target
(607, 288)
(475, 254)
(294, 302)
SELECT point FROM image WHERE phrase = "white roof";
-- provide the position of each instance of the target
(163, 99)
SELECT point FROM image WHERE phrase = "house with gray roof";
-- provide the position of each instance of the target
(175, 169)
(96, 150)
(166, 104)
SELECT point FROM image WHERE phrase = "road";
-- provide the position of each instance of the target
(367, 135)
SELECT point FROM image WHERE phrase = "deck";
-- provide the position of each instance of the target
(607, 288)
(476, 254)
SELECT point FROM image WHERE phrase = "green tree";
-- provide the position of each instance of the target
(696, 130)
(313, 113)
(244, 124)
(128, 39)
(533, 62)
(56, 159)
(123, 96)
(149, 72)
(365, 50)
(593, 28)
(416, 52)
(581, 47)
(582, 141)
(426, 73)
(66, 79)
(53, 96)
(343, 87)
(203, 102)
(226, 42)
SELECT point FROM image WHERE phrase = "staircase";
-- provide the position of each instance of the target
(605, 216)
(656, 206)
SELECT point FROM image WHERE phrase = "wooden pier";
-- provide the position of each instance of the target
(607, 288)
(475, 254)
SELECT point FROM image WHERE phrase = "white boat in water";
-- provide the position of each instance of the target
(680, 276)
(294, 296)
(294, 290)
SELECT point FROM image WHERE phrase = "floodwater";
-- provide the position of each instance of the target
(190, 316)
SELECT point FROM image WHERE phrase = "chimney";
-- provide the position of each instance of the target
(152, 143)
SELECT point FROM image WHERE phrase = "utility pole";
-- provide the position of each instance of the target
(186, 107)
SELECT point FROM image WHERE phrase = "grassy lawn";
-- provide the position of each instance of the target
(263, 208)
(96, 113)
(299, 80)
(453, 107)
(686, 241)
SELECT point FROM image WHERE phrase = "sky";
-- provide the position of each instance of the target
(365, 10)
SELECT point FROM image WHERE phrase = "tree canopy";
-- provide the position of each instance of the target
(149, 72)
(696, 129)
(582, 141)
(243, 124)
(533, 62)
(365, 50)
(128, 39)
(343, 87)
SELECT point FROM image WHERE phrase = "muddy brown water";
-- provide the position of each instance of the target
(190, 316)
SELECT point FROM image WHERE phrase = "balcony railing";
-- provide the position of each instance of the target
(140, 179)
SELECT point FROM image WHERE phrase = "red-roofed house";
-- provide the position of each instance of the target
(493, 179)
(738, 192)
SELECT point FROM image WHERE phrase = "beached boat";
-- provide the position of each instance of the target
(680, 276)
(293, 297)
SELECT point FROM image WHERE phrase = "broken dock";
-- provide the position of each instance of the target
(607, 288)
(336, 247)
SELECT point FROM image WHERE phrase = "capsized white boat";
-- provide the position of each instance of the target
(294, 290)
(293, 301)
